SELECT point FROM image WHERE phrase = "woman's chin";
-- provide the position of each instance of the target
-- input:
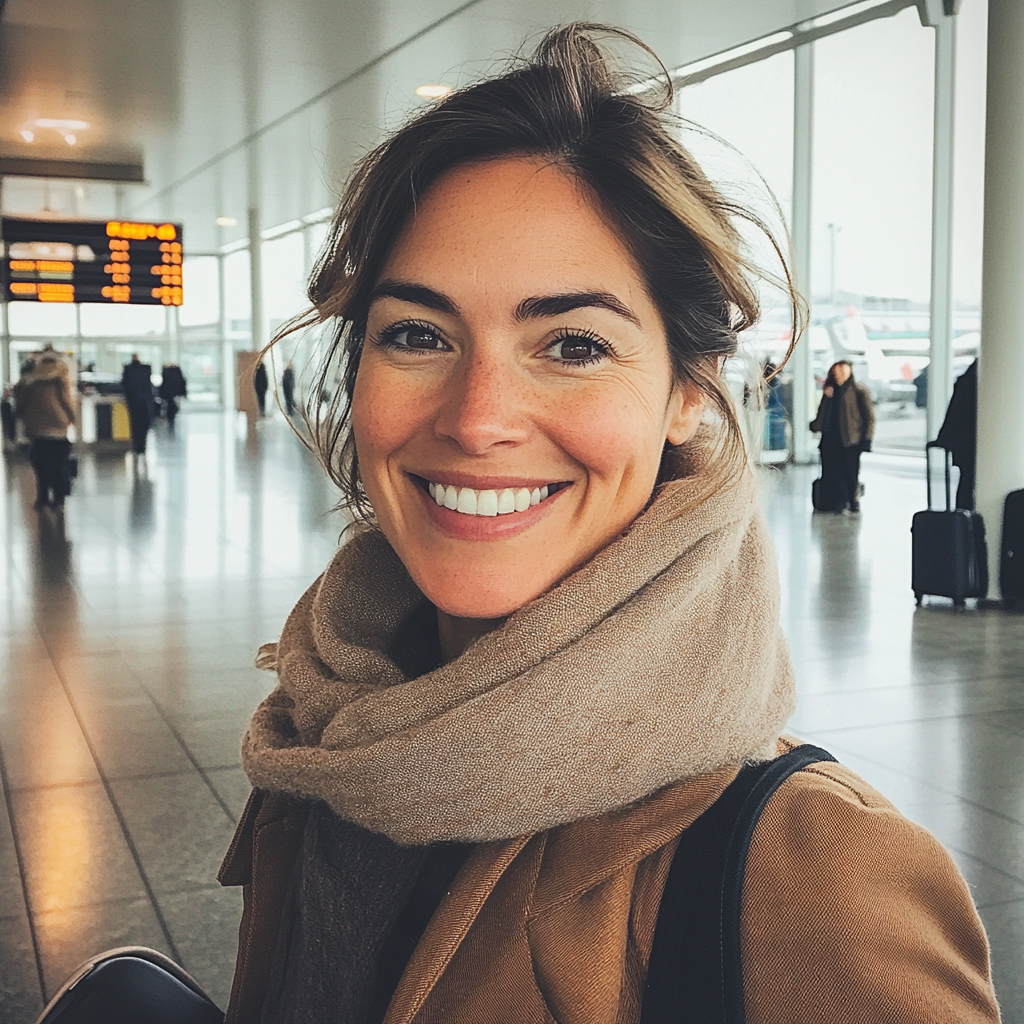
(480, 602)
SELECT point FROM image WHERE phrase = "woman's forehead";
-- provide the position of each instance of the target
(520, 226)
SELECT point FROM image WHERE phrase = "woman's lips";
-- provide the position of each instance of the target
(486, 513)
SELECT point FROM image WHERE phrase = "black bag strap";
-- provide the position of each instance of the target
(695, 975)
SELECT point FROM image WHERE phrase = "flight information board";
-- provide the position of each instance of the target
(91, 261)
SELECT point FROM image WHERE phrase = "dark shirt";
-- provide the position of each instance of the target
(358, 903)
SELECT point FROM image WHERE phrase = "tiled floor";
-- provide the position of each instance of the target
(127, 632)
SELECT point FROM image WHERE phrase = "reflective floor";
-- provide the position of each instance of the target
(128, 627)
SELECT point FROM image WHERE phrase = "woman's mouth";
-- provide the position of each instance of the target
(499, 502)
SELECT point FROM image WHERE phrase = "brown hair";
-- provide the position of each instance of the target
(568, 103)
(830, 379)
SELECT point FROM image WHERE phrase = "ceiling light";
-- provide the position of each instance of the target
(70, 139)
(61, 123)
(27, 135)
(226, 222)
(433, 92)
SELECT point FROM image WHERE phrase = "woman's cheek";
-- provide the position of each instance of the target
(382, 417)
(612, 440)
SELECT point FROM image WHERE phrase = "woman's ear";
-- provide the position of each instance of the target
(686, 407)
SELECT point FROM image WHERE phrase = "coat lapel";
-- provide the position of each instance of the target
(450, 925)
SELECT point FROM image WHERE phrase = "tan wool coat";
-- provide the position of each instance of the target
(851, 914)
(43, 400)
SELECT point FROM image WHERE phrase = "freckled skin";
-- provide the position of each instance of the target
(494, 399)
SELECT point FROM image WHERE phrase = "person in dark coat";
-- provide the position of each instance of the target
(172, 387)
(288, 387)
(846, 422)
(260, 383)
(959, 433)
(137, 388)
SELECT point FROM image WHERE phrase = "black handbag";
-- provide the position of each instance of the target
(131, 985)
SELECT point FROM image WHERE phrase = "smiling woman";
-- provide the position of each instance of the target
(527, 721)
(492, 371)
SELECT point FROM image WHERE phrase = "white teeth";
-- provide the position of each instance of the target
(487, 503)
(467, 501)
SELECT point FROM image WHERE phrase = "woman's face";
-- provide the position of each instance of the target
(514, 393)
(841, 373)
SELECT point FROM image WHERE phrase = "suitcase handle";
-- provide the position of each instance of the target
(928, 472)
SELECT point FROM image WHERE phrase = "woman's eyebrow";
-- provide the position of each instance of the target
(554, 305)
(406, 291)
(534, 308)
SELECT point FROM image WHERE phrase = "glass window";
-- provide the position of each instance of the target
(41, 319)
(201, 290)
(237, 304)
(872, 214)
(284, 279)
(969, 192)
(746, 145)
(120, 321)
(317, 234)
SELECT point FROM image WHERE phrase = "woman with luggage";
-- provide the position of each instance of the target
(43, 403)
(846, 422)
(172, 387)
(532, 678)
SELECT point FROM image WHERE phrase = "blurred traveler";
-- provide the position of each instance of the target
(288, 387)
(959, 433)
(44, 404)
(137, 387)
(260, 383)
(846, 422)
(7, 420)
(548, 672)
(172, 387)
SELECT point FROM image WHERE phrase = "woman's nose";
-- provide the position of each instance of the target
(483, 405)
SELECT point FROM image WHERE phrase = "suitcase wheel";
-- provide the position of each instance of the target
(917, 598)
(959, 602)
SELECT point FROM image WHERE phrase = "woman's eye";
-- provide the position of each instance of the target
(422, 338)
(578, 349)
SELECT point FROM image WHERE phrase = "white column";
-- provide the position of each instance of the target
(940, 352)
(227, 349)
(803, 162)
(172, 330)
(257, 326)
(1001, 368)
(5, 341)
(6, 373)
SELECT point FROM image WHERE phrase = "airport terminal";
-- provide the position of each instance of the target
(503, 682)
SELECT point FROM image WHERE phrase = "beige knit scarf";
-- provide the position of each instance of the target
(660, 659)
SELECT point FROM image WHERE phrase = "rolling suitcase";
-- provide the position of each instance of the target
(950, 556)
(1011, 559)
(822, 498)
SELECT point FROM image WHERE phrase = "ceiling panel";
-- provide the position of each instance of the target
(233, 103)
